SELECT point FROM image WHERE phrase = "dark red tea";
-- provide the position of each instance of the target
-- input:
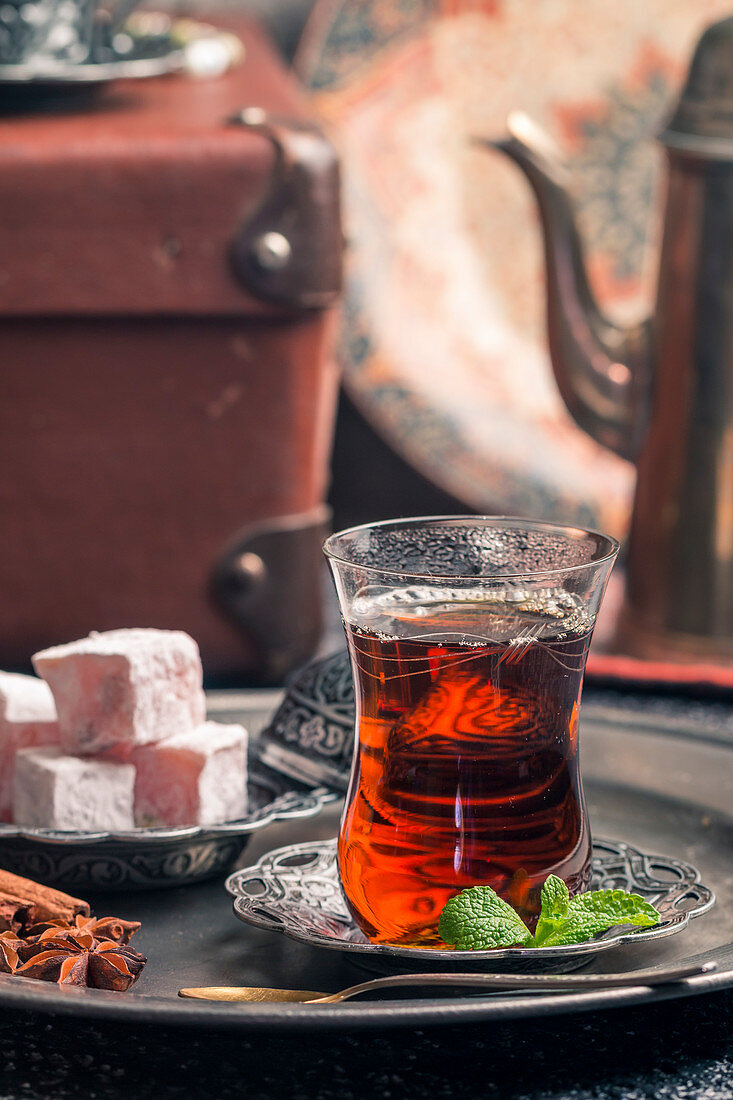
(467, 769)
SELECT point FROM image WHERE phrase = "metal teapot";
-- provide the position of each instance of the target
(661, 393)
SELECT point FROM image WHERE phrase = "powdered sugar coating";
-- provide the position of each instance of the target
(27, 719)
(123, 688)
(196, 778)
(56, 791)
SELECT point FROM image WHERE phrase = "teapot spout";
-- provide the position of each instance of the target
(601, 368)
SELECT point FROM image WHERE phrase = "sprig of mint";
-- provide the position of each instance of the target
(477, 919)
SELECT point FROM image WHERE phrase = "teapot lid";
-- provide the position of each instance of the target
(703, 119)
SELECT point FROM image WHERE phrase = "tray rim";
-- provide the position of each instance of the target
(101, 1005)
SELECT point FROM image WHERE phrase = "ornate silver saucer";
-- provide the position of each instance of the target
(133, 53)
(295, 890)
(145, 63)
(148, 44)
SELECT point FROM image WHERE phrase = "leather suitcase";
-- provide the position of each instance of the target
(169, 265)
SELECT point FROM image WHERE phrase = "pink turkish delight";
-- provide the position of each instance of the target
(124, 688)
(27, 718)
(197, 778)
(55, 791)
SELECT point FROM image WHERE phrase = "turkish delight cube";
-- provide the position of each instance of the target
(55, 791)
(27, 718)
(197, 778)
(124, 688)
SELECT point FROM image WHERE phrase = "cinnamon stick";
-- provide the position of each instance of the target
(49, 904)
(16, 913)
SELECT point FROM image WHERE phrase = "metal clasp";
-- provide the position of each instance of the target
(289, 252)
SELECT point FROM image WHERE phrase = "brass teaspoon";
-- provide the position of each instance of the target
(549, 983)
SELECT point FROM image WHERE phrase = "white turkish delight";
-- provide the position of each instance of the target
(56, 791)
(27, 718)
(197, 778)
(123, 688)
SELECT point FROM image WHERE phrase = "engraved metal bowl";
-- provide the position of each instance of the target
(295, 890)
(143, 47)
(150, 858)
(311, 734)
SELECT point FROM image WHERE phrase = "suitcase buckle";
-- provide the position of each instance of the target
(289, 252)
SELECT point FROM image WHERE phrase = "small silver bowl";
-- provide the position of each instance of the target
(152, 858)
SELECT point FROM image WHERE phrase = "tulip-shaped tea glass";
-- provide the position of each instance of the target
(468, 639)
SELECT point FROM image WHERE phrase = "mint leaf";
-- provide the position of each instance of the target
(555, 897)
(594, 912)
(477, 919)
(555, 901)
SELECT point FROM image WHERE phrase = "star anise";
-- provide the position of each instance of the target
(102, 928)
(76, 958)
(9, 944)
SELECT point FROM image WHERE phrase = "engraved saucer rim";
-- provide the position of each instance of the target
(243, 906)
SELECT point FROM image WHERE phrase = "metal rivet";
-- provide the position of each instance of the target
(250, 566)
(252, 116)
(272, 251)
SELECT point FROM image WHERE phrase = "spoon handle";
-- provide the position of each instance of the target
(539, 982)
(547, 982)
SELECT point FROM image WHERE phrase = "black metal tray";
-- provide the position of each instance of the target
(666, 791)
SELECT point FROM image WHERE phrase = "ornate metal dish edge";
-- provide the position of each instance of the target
(292, 804)
(95, 72)
(631, 869)
(154, 858)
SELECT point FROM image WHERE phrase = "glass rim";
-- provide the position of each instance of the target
(480, 520)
